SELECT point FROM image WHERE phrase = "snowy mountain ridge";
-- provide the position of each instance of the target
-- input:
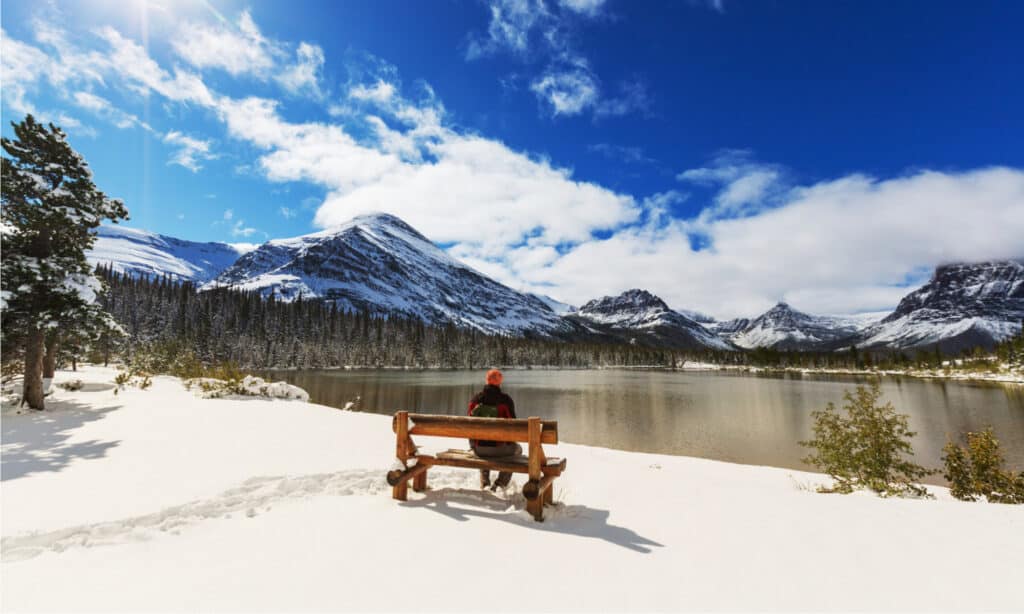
(380, 264)
(785, 328)
(963, 305)
(637, 314)
(139, 252)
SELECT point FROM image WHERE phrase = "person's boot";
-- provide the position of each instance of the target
(485, 478)
(504, 477)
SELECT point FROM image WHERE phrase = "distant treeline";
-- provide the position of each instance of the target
(252, 331)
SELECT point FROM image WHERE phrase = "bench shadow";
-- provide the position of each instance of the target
(578, 520)
(37, 441)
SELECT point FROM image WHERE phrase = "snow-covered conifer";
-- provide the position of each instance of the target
(50, 209)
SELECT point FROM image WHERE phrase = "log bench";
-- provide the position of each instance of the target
(534, 432)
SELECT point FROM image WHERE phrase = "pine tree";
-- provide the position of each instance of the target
(50, 207)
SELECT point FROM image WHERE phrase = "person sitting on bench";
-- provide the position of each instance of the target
(491, 402)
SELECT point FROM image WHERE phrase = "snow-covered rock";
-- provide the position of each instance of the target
(248, 386)
(145, 253)
(380, 264)
(962, 306)
(641, 316)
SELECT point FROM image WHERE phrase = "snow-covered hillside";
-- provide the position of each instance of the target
(381, 264)
(785, 328)
(962, 306)
(641, 316)
(156, 500)
(145, 253)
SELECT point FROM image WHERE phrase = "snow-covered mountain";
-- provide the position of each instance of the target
(381, 264)
(697, 316)
(962, 306)
(556, 305)
(145, 253)
(785, 328)
(639, 315)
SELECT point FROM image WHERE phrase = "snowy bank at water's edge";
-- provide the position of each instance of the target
(156, 499)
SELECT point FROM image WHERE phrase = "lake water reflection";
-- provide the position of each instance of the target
(743, 418)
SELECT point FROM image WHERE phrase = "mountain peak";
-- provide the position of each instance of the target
(630, 301)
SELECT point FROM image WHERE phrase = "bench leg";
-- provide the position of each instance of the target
(401, 491)
(536, 508)
(549, 494)
(419, 483)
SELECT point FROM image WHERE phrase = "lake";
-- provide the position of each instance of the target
(738, 417)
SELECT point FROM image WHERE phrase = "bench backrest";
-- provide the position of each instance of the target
(487, 429)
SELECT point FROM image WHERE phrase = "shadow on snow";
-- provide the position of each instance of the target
(37, 441)
(578, 520)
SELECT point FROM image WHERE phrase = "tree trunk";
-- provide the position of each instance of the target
(33, 385)
(50, 358)
(74, 363)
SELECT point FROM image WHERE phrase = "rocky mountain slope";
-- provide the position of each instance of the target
(962, 306)
(381, 264)
(785, 328)
(637, 315)
(145, 253)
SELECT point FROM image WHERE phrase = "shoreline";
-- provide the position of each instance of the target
(1008, 377)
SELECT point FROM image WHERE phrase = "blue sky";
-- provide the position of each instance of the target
(723, 154)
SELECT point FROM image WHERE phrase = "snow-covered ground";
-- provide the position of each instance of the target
(159, 500)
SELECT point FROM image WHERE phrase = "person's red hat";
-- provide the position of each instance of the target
(494, 377)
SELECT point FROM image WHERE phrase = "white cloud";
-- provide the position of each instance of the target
(239, 229)
(190, 150)
(511, 26)
(567, 92)
(838, 246)
(229, 213)
(480, 184)
(744, 185)
(241, 49)
(24, 66)
(104, 108)
(304, 74)
(539, 30)
(132, 61)
(380, 92)
(632, 98)
(238, 49)
(287, 213)
(590, 8)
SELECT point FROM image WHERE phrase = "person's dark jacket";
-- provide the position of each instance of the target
(493, 396)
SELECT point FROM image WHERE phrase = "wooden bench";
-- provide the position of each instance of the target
(541, 470)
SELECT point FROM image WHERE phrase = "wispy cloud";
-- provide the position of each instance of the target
(623, 153)
(241, 49)
(287, 213)
(191, 151)
(567, 91)
(743, 185)
(539, 32)
(239, 229)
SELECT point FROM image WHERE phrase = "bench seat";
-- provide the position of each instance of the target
(468, 460)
